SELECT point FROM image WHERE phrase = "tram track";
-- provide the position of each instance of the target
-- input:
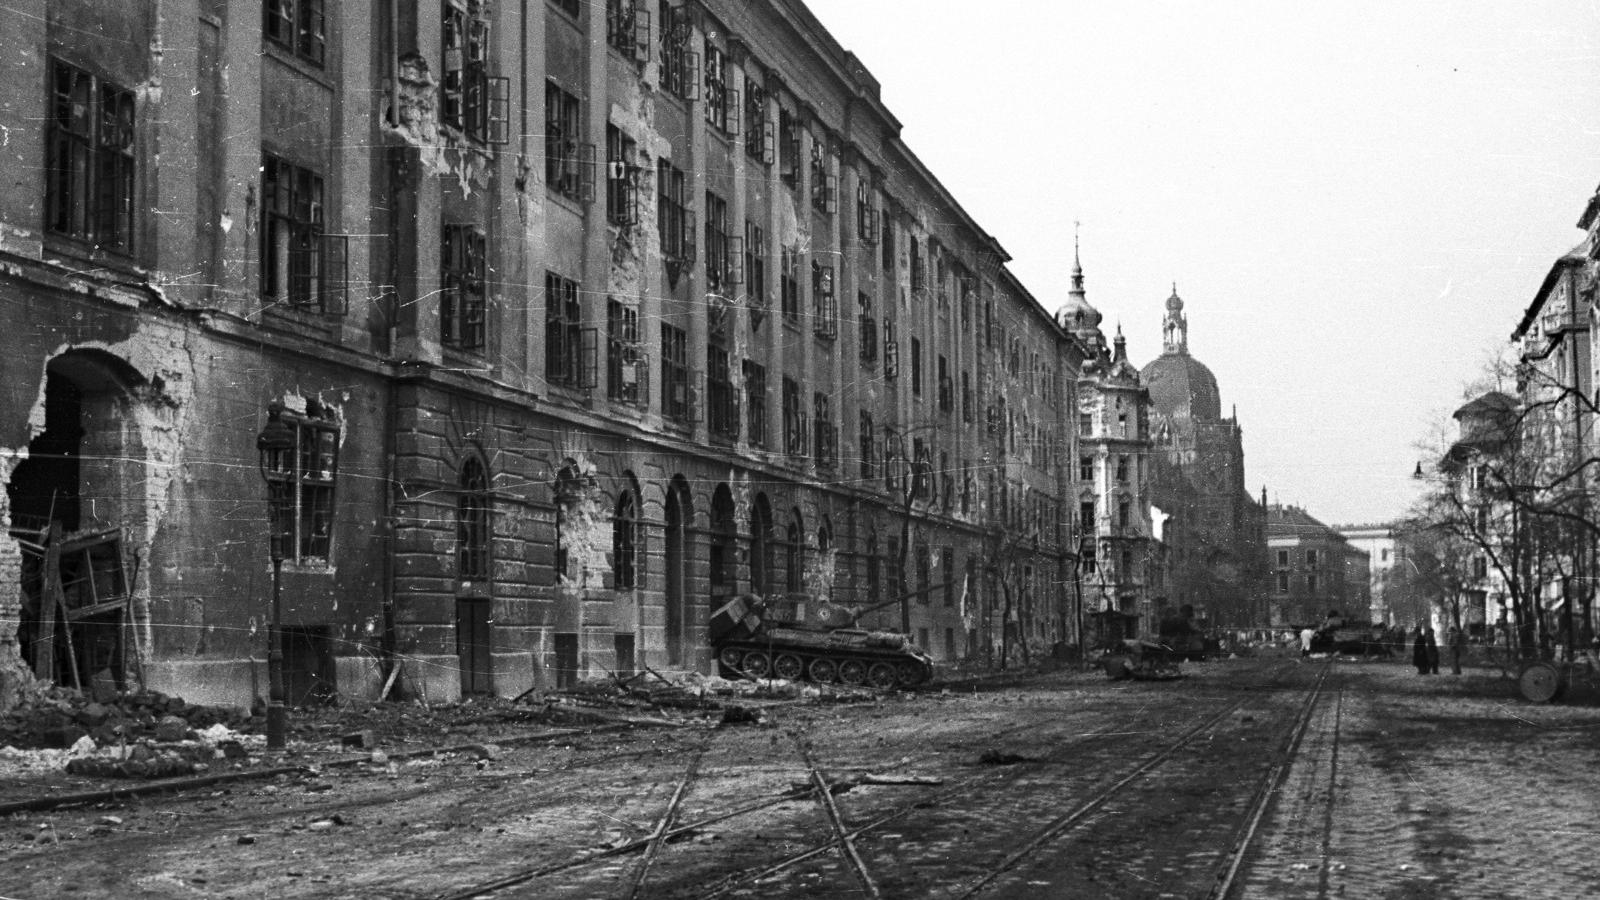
(842, 836)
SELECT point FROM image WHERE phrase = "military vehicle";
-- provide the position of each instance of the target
(755, 638)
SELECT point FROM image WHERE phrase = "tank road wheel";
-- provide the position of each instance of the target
(853, 671)
(788, 666)
(756, 664)
(731, 658)
(823, 671)
(909, 674)
(882, 676)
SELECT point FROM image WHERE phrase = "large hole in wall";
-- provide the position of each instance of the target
(72, 501)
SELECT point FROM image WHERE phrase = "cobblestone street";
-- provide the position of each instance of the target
(1060, 785)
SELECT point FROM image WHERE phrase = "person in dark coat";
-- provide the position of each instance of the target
(1433, 652)
(1419, 651)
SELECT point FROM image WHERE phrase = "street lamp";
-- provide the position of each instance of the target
(276, 446)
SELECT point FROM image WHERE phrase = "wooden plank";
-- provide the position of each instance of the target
(44, 640)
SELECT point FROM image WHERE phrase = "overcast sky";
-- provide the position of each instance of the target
(1356, 200)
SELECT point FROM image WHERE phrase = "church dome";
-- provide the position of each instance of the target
(1182, 387)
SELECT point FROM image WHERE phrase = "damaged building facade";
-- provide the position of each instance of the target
(581, 318)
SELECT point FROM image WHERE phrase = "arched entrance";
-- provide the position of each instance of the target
(761, 546)
(722, 549)
(81, 489)
(678, 514)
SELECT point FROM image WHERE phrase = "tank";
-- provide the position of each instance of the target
(753, 638)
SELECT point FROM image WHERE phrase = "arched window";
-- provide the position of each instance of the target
(472, 522)
(625, 541)
(795, 557)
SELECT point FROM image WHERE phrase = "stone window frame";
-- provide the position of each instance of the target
(90, 154)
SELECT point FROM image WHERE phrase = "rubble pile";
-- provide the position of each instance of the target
(58, 717)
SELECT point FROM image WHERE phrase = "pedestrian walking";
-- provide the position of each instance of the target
(1306, 634)
(1433, 653)
(1419, 651)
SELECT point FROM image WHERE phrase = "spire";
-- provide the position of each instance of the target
(1120, 353)
(1175, 327)
(1077, 263)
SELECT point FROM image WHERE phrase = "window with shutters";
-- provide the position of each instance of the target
(721, 102)
(622, 178)
(628, 28)
(672, 215)
(679, 65)
(718, 268)
(788, 148)
(824, 190)
(563, 362)
(462, 303)
(472, 102)
(568, 162)
(760, 136)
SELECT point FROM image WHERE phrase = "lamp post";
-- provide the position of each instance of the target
(276, 445)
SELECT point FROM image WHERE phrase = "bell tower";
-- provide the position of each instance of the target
(1175, 327)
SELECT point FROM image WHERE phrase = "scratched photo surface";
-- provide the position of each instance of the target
(763, 449)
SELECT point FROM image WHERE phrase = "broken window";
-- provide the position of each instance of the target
(672, 215)
(789, 278)
(473, 103)
(722, 102)
(788, 148)
(675, 400)
(866, 214)
(628, 28)
(568, 162)
(824, 306)
(891, 351)
(679, 65)
(887, 257)
(755, 271)
(722, 404)
(755, 402)
(794, 420)
(824, 190)
(626, 370)
(947, 571)
(565, 363)
(300, 482)
(718, 261)
(89, 159)
(867, 328)
(622, 179)
(826, 432)
(918, 277)
(296, 255)
(760, 138)
(966, 398)
(570, 7)
(297, 26)
(923, 576)
(473, 506)
(462, 303)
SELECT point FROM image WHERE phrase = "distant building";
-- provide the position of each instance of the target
(1118, 565)
(1386, 552)
(1315, 570)
(1214, 535)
